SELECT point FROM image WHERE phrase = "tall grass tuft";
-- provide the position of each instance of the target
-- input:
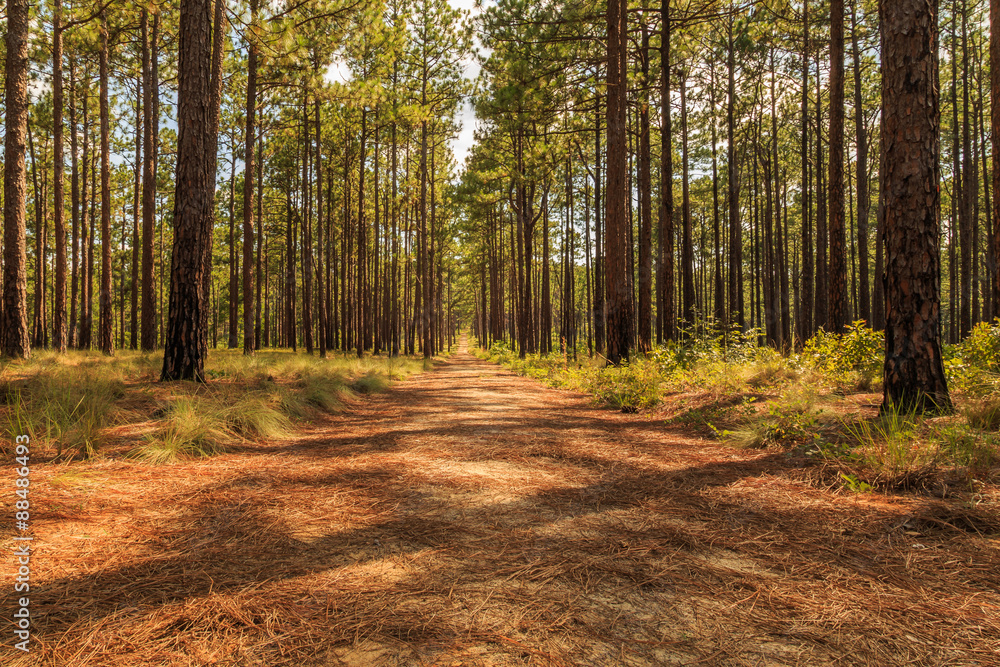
(192, 426)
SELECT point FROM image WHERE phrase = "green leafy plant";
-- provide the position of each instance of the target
(853, 359)
(630, 387)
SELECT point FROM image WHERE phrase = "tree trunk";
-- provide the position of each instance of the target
(969, 190)
(74, 208)
(184, 354)
(250, 136)
(995, 127)
(616, 220)
(665, 281)
(687, 247)
(234, 289)
(148, 342)
(645, 207)
(106, 332)
(218, 38)
(914, 371)
(838, 314)
(864, 199)
(806, 306)
(149, 318)
(320, 273)
(736, 303)
(59, 312)
(136, 194)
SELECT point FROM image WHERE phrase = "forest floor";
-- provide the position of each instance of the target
(470, 516)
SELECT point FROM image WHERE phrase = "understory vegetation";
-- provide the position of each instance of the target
(821, 403)
(79, 404)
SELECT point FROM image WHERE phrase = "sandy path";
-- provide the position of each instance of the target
(473, 517)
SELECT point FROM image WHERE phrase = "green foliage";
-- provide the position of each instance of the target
(65, 408)
(888, 441)
(854, 358)
(982, 348)
(973, 366)
(629, 387)
(854, 484)
(784, 425)
(192, 426)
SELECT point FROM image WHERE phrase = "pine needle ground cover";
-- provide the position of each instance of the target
(472, 516)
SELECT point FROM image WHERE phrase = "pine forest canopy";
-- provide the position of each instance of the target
(641, 172)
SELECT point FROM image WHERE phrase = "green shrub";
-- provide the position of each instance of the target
(629, 387)
(982, 348)
(859, 350)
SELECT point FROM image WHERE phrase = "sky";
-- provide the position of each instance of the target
(467, 115)
(338, 71)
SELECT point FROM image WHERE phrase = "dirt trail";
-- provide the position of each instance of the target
(473, 517)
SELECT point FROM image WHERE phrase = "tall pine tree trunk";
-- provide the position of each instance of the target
(864, 198)
(59, 312)
(619, 318)
(914, 370)
(838, 314)
(185, 339)
(106, 338)
(645, 207)
(149, 318)
(806, 326)
(249, 138)
(995, 127)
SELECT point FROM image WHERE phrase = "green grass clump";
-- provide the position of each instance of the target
(890, 442)
(370, 383)
(254, 416)
(192, 427)
(983, 413)
(63, 408)
(67, 402)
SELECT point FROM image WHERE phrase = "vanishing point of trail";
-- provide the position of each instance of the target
(469, 516)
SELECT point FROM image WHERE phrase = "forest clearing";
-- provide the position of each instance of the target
(470, 516)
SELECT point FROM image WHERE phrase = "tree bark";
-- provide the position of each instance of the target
(995, 126)
(619, 303)
(838, 314)
(59, 311)
(864, 198)
(74, 208)
(645, 207)
(736, 302)
(106, 332)
(687, 246)
(806, 306)
(665, 282)
(969, 190)
(184, 354)
(249, 138)
(149, 319)
(914, 371)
